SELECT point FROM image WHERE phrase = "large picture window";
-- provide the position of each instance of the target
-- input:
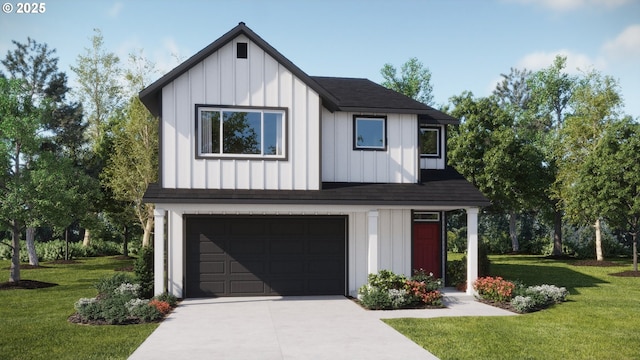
(241, 132)
(369, 133)
(430, 142)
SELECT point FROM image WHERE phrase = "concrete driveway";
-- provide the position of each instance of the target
(283, 328)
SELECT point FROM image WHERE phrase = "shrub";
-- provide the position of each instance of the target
(143, 269)
(495, 289)
(107, 286)
(168, 298)
(386, 279)
(162, 306)
(431, 282)
(523, 304)
(147, 313)
(421, 293)
(456, 272)
(551, 293)
(374, 298)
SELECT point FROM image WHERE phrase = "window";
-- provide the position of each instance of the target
(430, 142)
(424, 216)
(369, 133)
(241, 50)
(241, 132)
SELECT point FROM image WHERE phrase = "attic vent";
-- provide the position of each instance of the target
(241, 50)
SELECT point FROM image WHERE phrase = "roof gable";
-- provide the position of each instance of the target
(151, 95)
(343, 94)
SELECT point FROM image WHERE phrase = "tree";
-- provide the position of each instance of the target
(487, 151)
(614, 167)
(98, 77)
(414, 80)
(551, 92)
(596, 102)
(134, 162)
(19, 123)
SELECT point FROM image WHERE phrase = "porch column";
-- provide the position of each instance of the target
(472, 248)
(372, 233)
(158, 251)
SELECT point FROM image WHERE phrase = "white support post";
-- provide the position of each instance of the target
(372, 233)
(472, 248)
(158, 251)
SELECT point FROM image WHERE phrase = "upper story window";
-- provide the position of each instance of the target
(430, 141)
(369, 132)
(250, 132)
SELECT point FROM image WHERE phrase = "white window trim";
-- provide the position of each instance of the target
(262, 110)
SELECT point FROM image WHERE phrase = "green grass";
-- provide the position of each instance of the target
(33, 323)
(599, 321)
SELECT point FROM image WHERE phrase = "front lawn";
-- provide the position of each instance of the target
(599, 320)
(33, 323)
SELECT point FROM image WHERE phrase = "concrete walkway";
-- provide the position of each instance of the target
(284, 328)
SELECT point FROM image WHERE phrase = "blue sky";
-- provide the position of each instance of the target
(465, 44)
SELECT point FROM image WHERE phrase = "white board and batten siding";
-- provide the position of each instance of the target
(258, 81)
(341, 163)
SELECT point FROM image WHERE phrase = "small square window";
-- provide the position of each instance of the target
(369, 133)
(241, 50)
(430, 142)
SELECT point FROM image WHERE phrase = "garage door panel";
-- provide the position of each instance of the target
(265, 255)
(245, 246)
(247, 287)
(257, 267)
(212, 267)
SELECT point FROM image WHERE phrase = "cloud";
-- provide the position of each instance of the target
(568, 5)
(115, 10)
(626, 46)
(576, 62)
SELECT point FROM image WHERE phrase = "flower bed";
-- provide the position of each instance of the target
(386, 290)
(518, 297)
(118, 303)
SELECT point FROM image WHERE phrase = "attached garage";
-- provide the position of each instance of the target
(265, 255)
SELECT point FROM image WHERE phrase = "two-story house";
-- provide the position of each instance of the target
(274, 182)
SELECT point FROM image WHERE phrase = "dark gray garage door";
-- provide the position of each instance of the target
(265, 255)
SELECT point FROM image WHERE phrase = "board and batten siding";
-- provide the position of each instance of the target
(258, 81)
(341, 163)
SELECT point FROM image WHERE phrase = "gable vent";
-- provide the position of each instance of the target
(241, 50)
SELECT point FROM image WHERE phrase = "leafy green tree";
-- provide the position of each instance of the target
(551, 92)
(614, 169)
(98, 74)
(19, 124)
(487, 151)
(413, 81)
(134, 162)
(596, 102)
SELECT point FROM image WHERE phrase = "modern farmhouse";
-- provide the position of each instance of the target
(274, 182)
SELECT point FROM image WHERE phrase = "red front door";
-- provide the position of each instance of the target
(426, 247)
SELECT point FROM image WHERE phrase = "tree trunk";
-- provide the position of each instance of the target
(146, 236)
(634, 237)
(31, 246)
(515, 246)
(599, 255)
(125, 244)
(14, 272)
(87, 238)
(66, 242)
(557, 233)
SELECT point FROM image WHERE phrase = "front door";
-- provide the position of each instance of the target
(426, 247)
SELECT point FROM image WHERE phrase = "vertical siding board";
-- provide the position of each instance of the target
(300, 135)
(184, 145)
(256, 75)
(384, 240)
(168, 137)
(227, 86)
(328, 159)
(271, 85)
(284, 172)
(197, 91)
(399, 237)
(361, 249)
(313, 140)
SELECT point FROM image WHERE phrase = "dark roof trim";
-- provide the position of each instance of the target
(441, 188)
(151, 96)
(437, 117)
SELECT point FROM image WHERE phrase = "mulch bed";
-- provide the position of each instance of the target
(628, 273)
(25, 284)
(502, 305)
(77, 319)
(603, 263)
